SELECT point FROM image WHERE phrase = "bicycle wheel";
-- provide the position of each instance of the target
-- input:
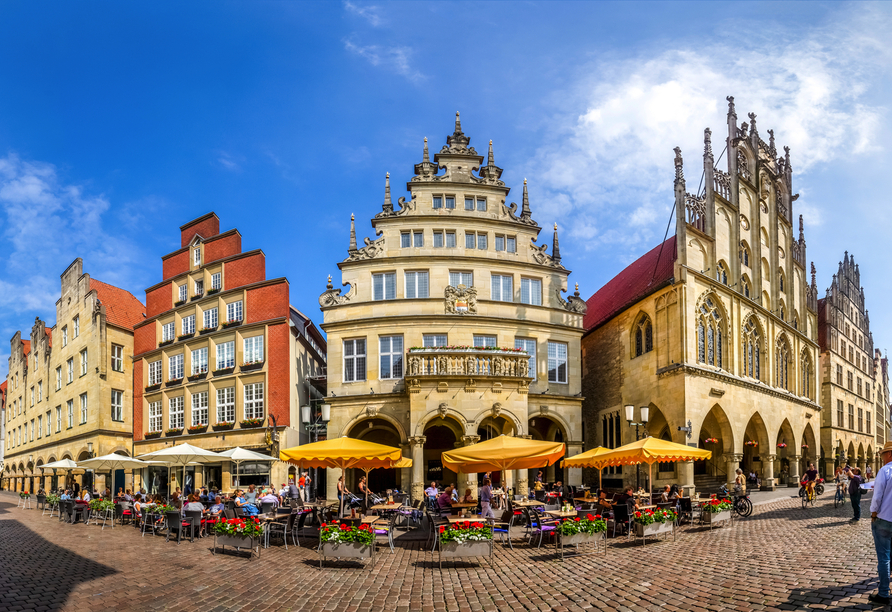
(836, 500)
(749, 506)
(804, 499)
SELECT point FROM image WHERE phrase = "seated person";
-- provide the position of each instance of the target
(65, 495)
(628, 498)
(454, 492)
(216, 510)
(603, 502)
(203, 498)
(674, 493)
(128, 496)
(445, 499)
(468, 498)
(240, 502)
(270, 498)
(192, 504)
(137, 507)
(664, 496)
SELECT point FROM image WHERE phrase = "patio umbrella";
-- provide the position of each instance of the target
(238, 454)
(111, 463)
(650, 451)
(589, 459)
(404, 462)
(180, 456)
(62, 464)
(503, 453)
(342, 453)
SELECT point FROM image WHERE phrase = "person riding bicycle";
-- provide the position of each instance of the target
(811, 477)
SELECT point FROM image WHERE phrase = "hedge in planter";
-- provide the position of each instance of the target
(465, 539)
(589, 530)
(336, 540)
(243, 532)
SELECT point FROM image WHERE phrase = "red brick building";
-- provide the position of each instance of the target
(222, 359)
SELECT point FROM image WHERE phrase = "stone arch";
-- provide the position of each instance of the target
(364, 416)
(491, 416)
(756, 445)
(851, 456)
(67, 455)
(766, 300)
(746, 254)
(444, 413)
(861, 457)
(721, 272)
(696, 255)
(811, 453)
(492, 426)
(659, 426)
(746, 285)
(548, 427)
(715, 425)
(381, 431)
(556, 418)
(641, 335)
(442, 433)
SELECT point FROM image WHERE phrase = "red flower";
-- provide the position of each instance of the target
(442, 528)
(364, 527)
(637, 515)
(577, 519)
(324, 525)
(589, 517)
(467, 524)
(477, 525)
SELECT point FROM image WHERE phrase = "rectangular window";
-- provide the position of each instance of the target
(488, 341)
(70, 364)
(557, 362)
(502, 288)
(438, 201)
(117, 405)
(860, 419)
(39, 427)
(529, 345)
(155, 373)
(216, 280)
(167, 332)
(470, 240)
(511, 244)
(58, 378)
(461, 278)
(438, 239)
(196, 256)
(39, 391)
(405, 239)
(851, 416)
(851, 378)
(226, 355)
(253, 349)
(226, 405)
(234, 311)
(77, 327)
(859, 386)
(188, 325)
(210, 318)
(431, 340)
(418, 239)
(481, 204)
(183, 293)
(200, 408)
(175, 367)
(500, 242)
(69, 405)
(868, 421)
(481, 241)
(175, 412)
(199, 287)
(391, 355)
(31, 439)
(384, 286)
(469, 203)
(354, 360)
(450, 202)
(840, 417)
(83, 408)
(417, 285)
(64, 336)
(531, 291)
(155, 417)
(83, 362)
(200, 361)
(254, 401)
(450, 240)
(117, 358)
(58, 419)
(839, 375)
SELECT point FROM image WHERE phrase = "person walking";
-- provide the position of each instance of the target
(855, 493)
(486, 499)
(881, 524)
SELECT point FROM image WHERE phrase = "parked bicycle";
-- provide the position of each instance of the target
(742, 504)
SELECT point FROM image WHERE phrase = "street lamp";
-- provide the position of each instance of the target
(314, 421)
(630, 418)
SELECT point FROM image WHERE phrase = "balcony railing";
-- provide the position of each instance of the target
(467, 362)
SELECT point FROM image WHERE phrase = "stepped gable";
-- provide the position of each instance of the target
(122, 309)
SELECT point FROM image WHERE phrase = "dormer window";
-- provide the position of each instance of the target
(196, 256)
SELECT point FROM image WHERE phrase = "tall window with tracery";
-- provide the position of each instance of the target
(644, 336)
(709, 334)
(782, 364)
(806, 374)
(752, 341)
(721, 273)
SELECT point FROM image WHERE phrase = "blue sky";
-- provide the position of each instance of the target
(121, 121)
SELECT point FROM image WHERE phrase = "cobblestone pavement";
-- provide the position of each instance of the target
(781, 558)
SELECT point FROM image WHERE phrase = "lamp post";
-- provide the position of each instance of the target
(313, 421)
(630, 418)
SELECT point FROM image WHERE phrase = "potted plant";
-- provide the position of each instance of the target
(206, 330)
(232, 323)
(589, 530)
(213, 291)
(652, 522)
(152, 434)
(165, 343)
(174, 381)
(465, 539)
(198, 376)
(185, 336)
(252, 365)
(224, 425)
(251, 423)
(152, 388)
(198, 429)
(224, 371)
(174, 432)
(716, 510)
(179, 303)
(244, 532)
(337, 540)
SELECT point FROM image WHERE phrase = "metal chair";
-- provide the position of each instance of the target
(267, 507)
(192, 519)
(503, 527)
(174, 522)
(536, 525)
(41, 501)
(388, 530)
(283, 528)
(124, 512)
(620, 517)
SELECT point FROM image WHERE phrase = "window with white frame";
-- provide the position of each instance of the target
(167, 332)
(433, 340)
(531, 291)
(175, 367)
(354, 360)
(69, 406)
(83, 408)
(175, 414)
(155, 373)
(210, 318)
(390, 351)
(438, 202)
(83, 362)
(384, 286)
(529, 345)
(117, 405)
(196, 256)
(199, 408)
(226, 355)
(481, 340)
(58, 419)
(64, 336)
(234, 311)
(58, 378)
(226, 405)
(253, 349)
(155, 417)
(183, 290)
(470, 240)
(254, 401)
(557, 362)
(117, 358)
(200, 361)
(461, 278)
(216, 280)
(502, 288)
(77, 326)
(444, 239)
(188, 325)
(417, 285)
(199, 287)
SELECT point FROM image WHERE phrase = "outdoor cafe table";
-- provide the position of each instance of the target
(590, 500)
(393, 506)
(460, 505)
(560, 514)
(529, 503)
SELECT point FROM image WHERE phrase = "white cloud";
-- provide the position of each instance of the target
(609, 162)
(396, 58)
(228, 161)
(370, 13)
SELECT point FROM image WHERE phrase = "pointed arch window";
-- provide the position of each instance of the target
(744, 254)
(807, 373)
(644, 336)
(752, 341)
(721, 273)
(709, 334)
(746, 287)
(782, 364)
(781, 281)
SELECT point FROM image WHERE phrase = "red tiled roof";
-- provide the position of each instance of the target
(641, 278)
(27, 344)
(49, 336)
(121, 308)
(3, 386)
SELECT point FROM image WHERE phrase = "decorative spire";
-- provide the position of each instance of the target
(556, 247)
(352, 248)
(707, 143)
(814, 283)
(388, 205)
(328, 286)
(425, 171)
(457, 123)
(576, 293)
(426, 159)
(458, 142)
(679, 166)
(801, 230)
(525, 212)
(787, 158)
(753, 132)
(490, 161)
(490, 172)
(771, 146)
(731, 111)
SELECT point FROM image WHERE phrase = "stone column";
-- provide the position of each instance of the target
(416, 447)
(732, 462)
(521, 480)
(468, 481)
(768, 483)
(794, 471)
(686, 477)
(573, 476)
(829, 467)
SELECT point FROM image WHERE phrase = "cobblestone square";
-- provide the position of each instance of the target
(780, 558)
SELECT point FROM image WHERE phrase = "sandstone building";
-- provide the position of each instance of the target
(454, 328)
(716, 328)
(70, 386)
(221, 360)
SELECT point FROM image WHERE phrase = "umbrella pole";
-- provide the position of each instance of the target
(343, 491)
(600, 471)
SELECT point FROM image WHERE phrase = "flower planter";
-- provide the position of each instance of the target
(583, 539)
(152, 434)
(197, 296)
(179, 303)
(248, 367)
(224, 371)
(711, 518)
(642, 531)
(165, 343)
(207, 330)
(350, 550)
(173, 432)
(213, 291)
(223, 426)
(250, 425)
(153, 388)
(186, 336)
(474, 548)
(174, 383)
(199, 429)
(237, 542)
(232, 324)
(195, 377)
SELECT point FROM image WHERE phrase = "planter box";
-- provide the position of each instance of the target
(246, 425)
(213, 291)
(229, 324)
(248, 367)
(642, 531)
(165, 343)
(583, 539)
(198, 430)
(174, 383)
(224, 371)
(714, 517)
(197, 296)
(200, 376)
(153, 434)
(207, 330)
(350, 550)
(186, 336)
(223, 426)
(454, 550)
(171, 433)
(237, 542)
(153, 388)
(180, 303)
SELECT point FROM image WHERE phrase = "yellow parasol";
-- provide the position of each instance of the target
(503, 453)
(589, 459)
(650, 451)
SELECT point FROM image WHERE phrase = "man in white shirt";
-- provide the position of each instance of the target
(881, 524)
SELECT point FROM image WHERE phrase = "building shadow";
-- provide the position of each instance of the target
(35, 573)
(806, 599)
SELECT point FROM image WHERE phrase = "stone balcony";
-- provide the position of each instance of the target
(470, 362)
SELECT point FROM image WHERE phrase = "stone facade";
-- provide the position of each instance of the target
(715, 329)
(222, 359)
(423, 343)
(881, 404)
(70, 387)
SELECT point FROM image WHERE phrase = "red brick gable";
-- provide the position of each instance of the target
(27, 344)
(641, 278)
(121, 308)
